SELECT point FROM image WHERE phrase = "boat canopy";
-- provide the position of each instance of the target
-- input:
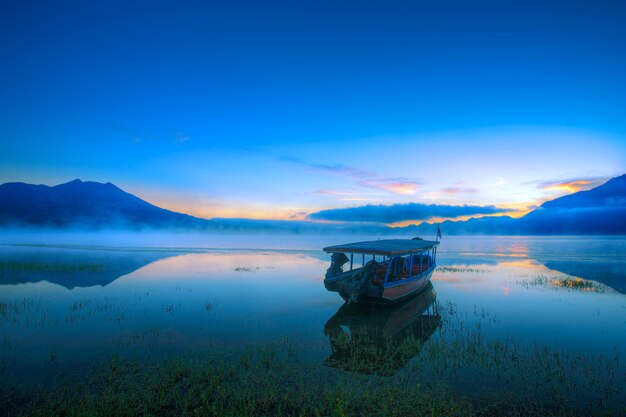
(387, 247)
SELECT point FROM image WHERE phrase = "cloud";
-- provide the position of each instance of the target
(337, 169)
(180, 138)
(459, 190)
(332, 192)
(363, 178)
(402, 186)
(301, 215)
(572, 185)
(343, 195)
(402, 212)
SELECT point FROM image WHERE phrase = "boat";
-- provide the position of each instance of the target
(380, 271)
(381, 339)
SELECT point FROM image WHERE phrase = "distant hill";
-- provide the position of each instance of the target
(83, 204)
(601, 210)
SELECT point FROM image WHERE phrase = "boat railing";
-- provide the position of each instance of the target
(414, 268)
(390, 269)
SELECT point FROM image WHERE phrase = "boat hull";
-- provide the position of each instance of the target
(387, 294)
(401, 290)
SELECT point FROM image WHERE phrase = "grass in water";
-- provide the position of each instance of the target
(561, 281)
(246, 269)
(455, 269)
(497, 377)
(576, 283)
(263, 385)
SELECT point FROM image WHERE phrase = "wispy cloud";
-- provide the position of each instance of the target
(332, 192)
(343, 195)
(572, 185)
(362, 178)
(181, 138)
(337, 169)
(459, 190)
(402, 212)
(402, 186)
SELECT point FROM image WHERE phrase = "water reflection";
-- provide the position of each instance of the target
(72, 268)
(611, 274)
(381, 340)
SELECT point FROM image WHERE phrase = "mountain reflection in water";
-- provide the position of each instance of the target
(72, 267)
(381, 340)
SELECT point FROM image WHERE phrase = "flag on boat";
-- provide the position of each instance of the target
(438, 232)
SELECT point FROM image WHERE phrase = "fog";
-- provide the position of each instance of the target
(176, 239)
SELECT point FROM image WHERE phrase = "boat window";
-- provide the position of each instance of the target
(399, 269)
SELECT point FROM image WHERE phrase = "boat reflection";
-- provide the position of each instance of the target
(381, 340)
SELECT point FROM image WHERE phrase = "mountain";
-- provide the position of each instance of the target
(601, 210)
(610, 194)
(86, 204)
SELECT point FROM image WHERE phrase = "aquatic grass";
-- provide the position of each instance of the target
(268, 381)
(447, 375)
(576, 283)
(26, 311)
(246, 269)
(456, 269)
(109, 309)
(560, 281)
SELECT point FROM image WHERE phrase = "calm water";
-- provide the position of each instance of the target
(65, 309)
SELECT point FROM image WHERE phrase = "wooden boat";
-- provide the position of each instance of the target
(380, 271)
(381, 340)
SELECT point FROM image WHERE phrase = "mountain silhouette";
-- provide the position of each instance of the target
(610, 194)
(601, 210)
(89, 204)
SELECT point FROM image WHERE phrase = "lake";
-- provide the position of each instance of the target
(506, 318)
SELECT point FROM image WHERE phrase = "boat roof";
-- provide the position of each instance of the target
(387, 247)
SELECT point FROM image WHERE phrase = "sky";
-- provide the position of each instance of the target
(285, 110)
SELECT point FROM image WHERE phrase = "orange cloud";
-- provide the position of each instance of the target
(572, 185)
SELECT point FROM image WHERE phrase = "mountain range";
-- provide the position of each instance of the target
(600, 211)
(94, 205)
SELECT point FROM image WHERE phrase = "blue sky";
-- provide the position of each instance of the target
(281, 109)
